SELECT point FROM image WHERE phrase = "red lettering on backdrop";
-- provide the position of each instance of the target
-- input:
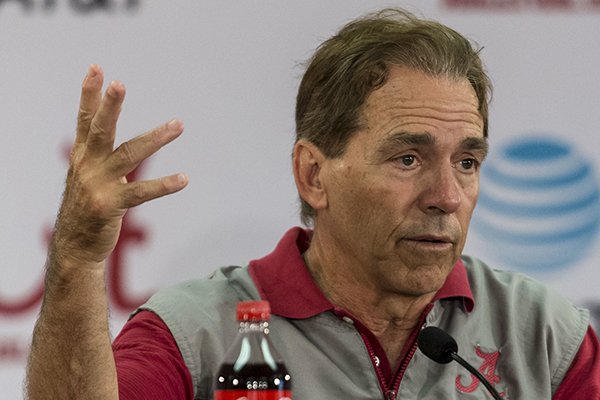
(12, 350)
(26, 302)
(481, 3)
(501, 4)
(131, 234)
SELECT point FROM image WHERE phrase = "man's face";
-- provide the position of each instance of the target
(400, 199)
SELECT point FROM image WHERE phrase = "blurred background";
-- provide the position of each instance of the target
(230, 70)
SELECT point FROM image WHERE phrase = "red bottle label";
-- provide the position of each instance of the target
(253, 395)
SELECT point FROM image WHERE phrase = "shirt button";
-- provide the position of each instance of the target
(348, 320)
(376, 361)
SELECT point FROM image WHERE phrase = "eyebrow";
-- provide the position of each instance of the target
(471, 143)
(478, 144)
(409, 139)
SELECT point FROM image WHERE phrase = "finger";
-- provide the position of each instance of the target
(136, 193)
(131, 153)
(91, 94)
(101, 136)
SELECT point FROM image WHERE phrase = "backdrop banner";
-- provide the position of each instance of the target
(230, 71)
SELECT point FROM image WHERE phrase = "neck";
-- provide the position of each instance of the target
(390, 315)
(341, 276)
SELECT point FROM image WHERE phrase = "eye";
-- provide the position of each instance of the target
(468, 165)
(407, 161)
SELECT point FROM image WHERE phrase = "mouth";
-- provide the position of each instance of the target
(431, 241)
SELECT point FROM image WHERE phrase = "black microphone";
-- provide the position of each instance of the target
(442, 348)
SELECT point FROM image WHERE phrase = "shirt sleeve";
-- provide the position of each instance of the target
(582, 381)
(149, 363)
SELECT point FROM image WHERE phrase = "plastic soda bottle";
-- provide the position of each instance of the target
(252, 369)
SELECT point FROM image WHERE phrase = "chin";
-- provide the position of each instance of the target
(420, 280)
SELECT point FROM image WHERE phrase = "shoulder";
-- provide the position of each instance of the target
(527, 311)
(514, 290)
(200, 314)
(200, 309)
(224, 285)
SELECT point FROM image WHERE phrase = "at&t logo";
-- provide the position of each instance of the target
(539, 205)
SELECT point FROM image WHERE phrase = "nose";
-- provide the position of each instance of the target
(441, 191)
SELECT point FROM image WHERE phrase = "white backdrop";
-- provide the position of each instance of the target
(230, 70)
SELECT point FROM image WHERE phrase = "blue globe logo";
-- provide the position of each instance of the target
(539, 204)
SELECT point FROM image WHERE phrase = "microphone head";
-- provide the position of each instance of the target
(437, 344)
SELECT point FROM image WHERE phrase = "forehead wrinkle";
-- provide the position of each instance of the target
(445, 115)
(395, 103)
(407, 113)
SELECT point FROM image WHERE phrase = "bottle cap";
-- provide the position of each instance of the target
(253, 311)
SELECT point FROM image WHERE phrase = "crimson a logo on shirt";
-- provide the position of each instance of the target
(487, 369)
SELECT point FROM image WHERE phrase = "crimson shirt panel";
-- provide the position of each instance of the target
(149, 363)
(577, 384)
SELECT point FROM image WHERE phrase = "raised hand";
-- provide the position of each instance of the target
(97, 194)
(71, 355)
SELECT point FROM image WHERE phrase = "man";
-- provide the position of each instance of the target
(391, 132)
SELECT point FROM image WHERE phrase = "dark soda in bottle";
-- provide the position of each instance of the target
(252, 369)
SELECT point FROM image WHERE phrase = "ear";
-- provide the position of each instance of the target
(308, 163)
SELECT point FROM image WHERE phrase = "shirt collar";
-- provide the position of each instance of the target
(283, 279)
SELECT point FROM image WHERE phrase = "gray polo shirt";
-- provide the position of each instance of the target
(520, 334)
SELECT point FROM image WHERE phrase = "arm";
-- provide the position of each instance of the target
(149, 363)
(582, 381)
(71, 354)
